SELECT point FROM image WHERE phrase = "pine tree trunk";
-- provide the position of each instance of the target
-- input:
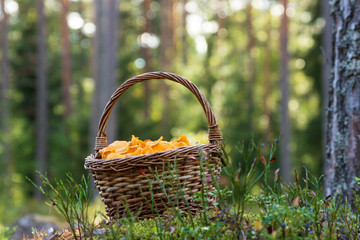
(343, 115)
(326, 72)
(41, 94)
(65, 58)
(166, 54)
(95, 104)
(4, 88)
(147, 58)
(78, 83)
(284, 86)
(184, 43)
(267, 78)
(251, 64)
(105, 64)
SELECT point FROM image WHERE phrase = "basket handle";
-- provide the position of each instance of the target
(214, 131)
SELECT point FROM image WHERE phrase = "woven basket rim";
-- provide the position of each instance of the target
(92, 162)
(91, 157)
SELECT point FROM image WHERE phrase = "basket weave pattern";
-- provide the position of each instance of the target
(126, 179)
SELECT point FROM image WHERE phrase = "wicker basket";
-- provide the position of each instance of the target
(126, 179)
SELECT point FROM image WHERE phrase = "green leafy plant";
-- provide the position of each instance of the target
(231, 198)
(71, 200)
(6, 232)
(358, 180)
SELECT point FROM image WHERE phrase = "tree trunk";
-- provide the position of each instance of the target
(41, 94)
(147, 57)
(105, 64)
(65, 58)
(267, 78)
(166, 55)
(251, 64)
(4, 87)
(326, 72)
(284, 86)
(343, 115)
(184, 34)
(78, 83)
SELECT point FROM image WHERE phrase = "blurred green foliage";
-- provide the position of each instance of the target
(220, 72)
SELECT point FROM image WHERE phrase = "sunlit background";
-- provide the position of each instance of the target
(229, 48)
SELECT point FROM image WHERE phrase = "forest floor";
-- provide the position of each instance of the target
(252, 204)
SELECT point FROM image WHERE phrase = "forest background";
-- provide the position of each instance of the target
(264, 70)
